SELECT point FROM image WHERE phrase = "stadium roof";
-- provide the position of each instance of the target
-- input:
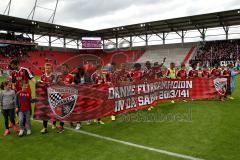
(21, 25)
(211, 20)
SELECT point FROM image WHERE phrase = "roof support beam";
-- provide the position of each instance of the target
(226, 29)
(117, 47)
(182, 35)
(64, 42)
(49, 41)
(131, 42)
(202, 31)
(40, 37)
(33, 40)
(157, 34)
(103, 43)
(70, 41)
(134, 34)
(55, 39)
(164, 37)
(27, 35)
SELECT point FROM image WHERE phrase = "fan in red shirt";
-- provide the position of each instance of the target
(216, 71)
(136, 74)
(156, 70)
(205, 72)
(19, 74)
(121, 75)
(148, 72)
(227, 71)
(193, 73)
(182, 73)
(65, 77)
(24, 99)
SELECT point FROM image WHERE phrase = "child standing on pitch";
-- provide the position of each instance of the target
(23, 103)
(7, 103)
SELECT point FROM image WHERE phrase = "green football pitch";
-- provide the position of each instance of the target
(204, 129)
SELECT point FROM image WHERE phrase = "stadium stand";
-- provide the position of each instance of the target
(174, 53)
(35, 60)
(215, 51)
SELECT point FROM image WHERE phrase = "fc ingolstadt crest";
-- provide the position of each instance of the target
(62, 100)
(221, 85)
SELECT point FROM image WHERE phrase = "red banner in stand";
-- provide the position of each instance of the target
(87, 102)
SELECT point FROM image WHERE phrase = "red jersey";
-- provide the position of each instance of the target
(193, 73)
(182, 73)
(48, 79)
(205, 73)
(216, 72)
(156, 71)
(227, 72)
(120, 76)
(136, 75)
(109, 76)
(16, 77)
(24, 101)
(97, 78)
(148, 73)
(67, 79)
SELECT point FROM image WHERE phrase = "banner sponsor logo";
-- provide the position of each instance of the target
(62, 100)
(221, 85)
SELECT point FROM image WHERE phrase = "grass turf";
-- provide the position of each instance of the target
(207, 129)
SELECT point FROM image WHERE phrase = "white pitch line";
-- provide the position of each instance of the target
(136, 145)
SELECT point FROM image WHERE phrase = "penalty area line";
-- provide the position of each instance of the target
(135, 145)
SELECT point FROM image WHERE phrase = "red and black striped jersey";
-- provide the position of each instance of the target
(16, 77)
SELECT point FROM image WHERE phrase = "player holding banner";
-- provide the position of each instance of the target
(121, 76)
(64, 79)
(193, 73)
(205, 72)
(216, 71)
(136, 74)
(98, 78)
(48, 78)
(182, 73)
